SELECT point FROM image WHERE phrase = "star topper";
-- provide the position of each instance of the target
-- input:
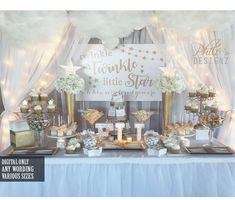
(70, 68)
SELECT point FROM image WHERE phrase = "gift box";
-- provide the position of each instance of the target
(21, 135)
(157, 152)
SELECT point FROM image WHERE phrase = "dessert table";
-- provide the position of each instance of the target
(131, 173)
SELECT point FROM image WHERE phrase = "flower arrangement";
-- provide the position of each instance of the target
(171, 81)
(71, 84)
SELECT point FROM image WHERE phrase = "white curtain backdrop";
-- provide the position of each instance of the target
(178, 52)
(220, 75)
(24, 69)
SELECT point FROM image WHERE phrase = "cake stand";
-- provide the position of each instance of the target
(61, 140)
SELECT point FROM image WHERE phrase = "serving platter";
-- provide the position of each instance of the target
(31, 151)
(135, 145)
(210, 150)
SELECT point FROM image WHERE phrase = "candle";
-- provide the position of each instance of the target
(58, 120)
(119, 127)
(61, 119)
(139, 127)
(68, 120)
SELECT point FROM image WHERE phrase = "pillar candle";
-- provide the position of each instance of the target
(119, 127)
(139, 127)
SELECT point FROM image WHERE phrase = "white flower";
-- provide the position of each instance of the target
(71, 84)
(171, 81)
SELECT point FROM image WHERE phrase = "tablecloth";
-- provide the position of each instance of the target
(130, 173)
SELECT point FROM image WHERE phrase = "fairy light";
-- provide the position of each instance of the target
(5, 93)
(2, 82)
(56, 39)
(13, 101)
(8, 62)
(21, 52)
(43, 83)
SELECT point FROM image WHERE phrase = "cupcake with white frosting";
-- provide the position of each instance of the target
(51, 106)
(24, 108)
(204, 92)
(214, 108)
(192, 93)
(194, 108)
(212, 92)
(175, 149)
(38, 109)
(34, 95)
(43, 95)
(188, 105)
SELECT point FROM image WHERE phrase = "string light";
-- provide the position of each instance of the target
(8, 62)
(43, 83)
(5, 93)
(21, 52)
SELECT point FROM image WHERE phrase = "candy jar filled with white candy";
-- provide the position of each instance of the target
(90, 141)
(151, 139)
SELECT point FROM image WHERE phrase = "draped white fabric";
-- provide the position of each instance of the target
(178, 52)
(218, 74)
(22, 70)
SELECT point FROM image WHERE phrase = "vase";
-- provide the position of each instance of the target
(70, 104)
(167, 99)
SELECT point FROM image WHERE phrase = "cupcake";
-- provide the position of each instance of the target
(188, 105)
(212, 92)
(198, 90)
(169, 146)
(51, 106)
(38, 109)
(194, 108)
(192, 93)
(34, 95)
(24, 108)
(43, 95)
(214, 108)
(204, 92)
(175, 149)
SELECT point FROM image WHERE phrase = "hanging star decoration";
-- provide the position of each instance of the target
(70, 68)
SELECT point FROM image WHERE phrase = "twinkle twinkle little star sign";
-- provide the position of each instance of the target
(130, 69)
